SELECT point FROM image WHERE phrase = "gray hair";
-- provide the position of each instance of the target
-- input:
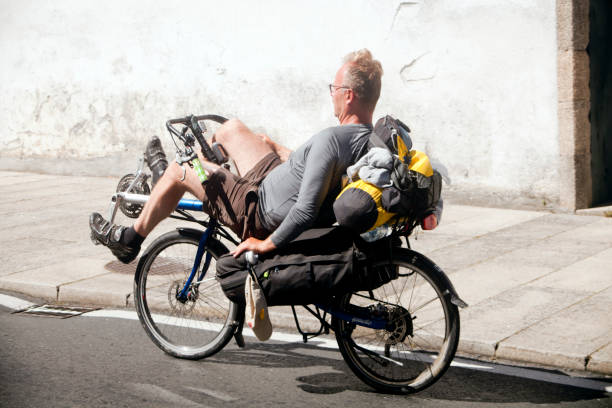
(363, 75)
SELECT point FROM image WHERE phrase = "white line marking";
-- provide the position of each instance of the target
(533, 374)
(14, 303)
(163, 394)
(212, 393)
(117, 314)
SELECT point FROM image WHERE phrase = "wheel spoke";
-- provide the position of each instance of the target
(198, 325)
(417, 344)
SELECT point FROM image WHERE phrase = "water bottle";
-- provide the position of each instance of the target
(197, 166)
(377, 233)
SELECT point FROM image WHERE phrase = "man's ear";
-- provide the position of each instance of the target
(349, 96)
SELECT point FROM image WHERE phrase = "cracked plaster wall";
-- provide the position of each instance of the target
(86, 86)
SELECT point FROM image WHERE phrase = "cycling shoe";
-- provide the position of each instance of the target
(109, 235)
(156, 159)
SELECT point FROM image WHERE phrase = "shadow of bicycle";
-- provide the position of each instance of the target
(458, 384)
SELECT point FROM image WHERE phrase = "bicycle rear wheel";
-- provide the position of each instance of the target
(418, 344)
(197, 327)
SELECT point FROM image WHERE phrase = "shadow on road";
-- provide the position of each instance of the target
(458, 384)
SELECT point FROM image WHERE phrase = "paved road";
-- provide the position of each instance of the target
(97, 361)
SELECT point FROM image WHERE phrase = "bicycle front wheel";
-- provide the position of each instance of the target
(198, 326)
(420, 340)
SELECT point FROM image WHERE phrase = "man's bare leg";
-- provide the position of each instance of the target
(242, 145)
(165, 196)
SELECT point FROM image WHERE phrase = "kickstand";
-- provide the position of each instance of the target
(239, 325)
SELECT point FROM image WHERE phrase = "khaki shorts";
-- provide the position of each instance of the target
(233, 200)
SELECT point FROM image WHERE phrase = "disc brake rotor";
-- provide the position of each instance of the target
(173, 293)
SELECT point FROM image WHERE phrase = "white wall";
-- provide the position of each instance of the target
(87, 83)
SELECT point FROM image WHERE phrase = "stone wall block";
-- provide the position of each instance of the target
(566, 128)
(565, 68)
(576, 174)
(584, 196)
(567, 187)
(572, 24)
(564, 24)
(574, 127)
(581, 76)
(573, 76)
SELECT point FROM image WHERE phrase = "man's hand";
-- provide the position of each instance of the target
(281, 151)
(430, 222)
(255, 245)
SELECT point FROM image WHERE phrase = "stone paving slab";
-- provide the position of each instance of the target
(546, 226)
(566, 338)
(45, 281)
(58, 200)
(11, 178)
(453, 213)
(38, 258)
(488, 279)
(110, 289)
(488, 220)
(599, 230)
(45, 192)
(426, 242)
(589, 275)
(552, 253)
(601, 360)
(474, 251)
(603, 211)
(44, 227)
(14, 248)
(485, 325)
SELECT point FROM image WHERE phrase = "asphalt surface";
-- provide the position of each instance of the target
(108, 361)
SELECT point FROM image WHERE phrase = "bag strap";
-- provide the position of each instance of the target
(377, 141)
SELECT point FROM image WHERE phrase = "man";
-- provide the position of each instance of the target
(281, 193)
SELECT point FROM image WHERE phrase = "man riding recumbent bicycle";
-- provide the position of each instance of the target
(393, 311)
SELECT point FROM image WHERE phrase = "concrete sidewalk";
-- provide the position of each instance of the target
(539, 284)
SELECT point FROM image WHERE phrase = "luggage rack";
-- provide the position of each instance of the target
(324, 329)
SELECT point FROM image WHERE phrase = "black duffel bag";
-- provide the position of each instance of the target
(319, 264)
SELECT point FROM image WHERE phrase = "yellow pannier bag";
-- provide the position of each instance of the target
(420, 163)
(363, 206)
(358, 206)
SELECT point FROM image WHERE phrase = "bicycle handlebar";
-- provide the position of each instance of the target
(252, 258)
(192, 122)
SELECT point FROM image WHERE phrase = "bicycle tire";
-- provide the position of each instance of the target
(418, 345)
(202, 325)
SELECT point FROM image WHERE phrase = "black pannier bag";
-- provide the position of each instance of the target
(319, 264)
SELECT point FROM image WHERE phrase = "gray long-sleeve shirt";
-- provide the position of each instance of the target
(301, 190)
